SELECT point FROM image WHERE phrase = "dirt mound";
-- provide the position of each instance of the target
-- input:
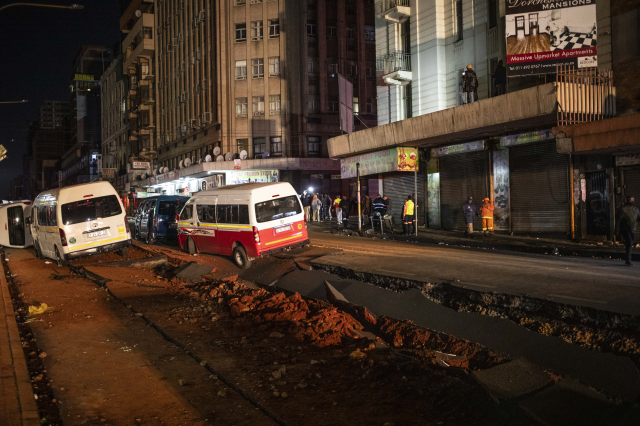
(133, 254)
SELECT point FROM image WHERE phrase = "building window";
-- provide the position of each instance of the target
(312, 28)
(274, 104)
(408, 101)
(257, 68)
(493, 13)
(259, 146)
(333, 105)
(274, 66)
(313, 144)
(332, 32)
(241, 2)
(241, 107)
(332, 66)
(241, 32)
(459, 22)
(312, 66)
(313, 103)
(274, 28)
(371, 73)
(256, 30)
(241, 70)
(370, 104)
(351, 33)
(356, 106)
(243, 145)
(258, 105)
(370, 34)
(276, 146)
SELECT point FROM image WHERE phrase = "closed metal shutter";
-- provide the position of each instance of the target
(632, 184)
(397, 187)
(461, 176)
(539, 191)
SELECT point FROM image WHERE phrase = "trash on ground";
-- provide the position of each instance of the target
(40, 309)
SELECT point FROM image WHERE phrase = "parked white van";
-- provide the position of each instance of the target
(79, 220)
(244, 221)
(14, 231)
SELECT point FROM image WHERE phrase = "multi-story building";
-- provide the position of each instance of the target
(256, 81)
(80, 163)
(53, 114)
(116, 148)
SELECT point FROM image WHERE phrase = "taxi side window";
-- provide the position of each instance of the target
(207, 213)
(187, 212)
(233, 214)
(42, 216)
(243, 216)
(52, 219)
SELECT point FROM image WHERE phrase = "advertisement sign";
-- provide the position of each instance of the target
(252, 176)
(627, 160)
(109, 173)
(523, 138)
(541, 34)
(501, 189)
(457, 149)
(401, 159)
(237, 164)
(140, 165)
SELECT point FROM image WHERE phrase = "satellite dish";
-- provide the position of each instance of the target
(165, 170)
(200, 161)
(187, 162)
(243, 155)
(207, 159)
(181, 164)
(265, 154)
(138, 13)
(220, 158)
(228, 156)
(143, 176)
(236, 156)
(216, 150)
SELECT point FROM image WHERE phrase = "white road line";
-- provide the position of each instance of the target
(578, 298)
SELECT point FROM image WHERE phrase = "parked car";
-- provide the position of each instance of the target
(79, 220)
(14, 231)
(244, 221)
(154, 218)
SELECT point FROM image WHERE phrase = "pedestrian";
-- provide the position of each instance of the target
(306, 204)
(470, 84)
(628, 217)
(336, 206)
(500, 79)
(408, 217)
(367, 205)
(470, 212)
(387, 203)
(486, 211)
(379, 206)
(316, 205)
(354, 207)
(345, 206)
(327, 206)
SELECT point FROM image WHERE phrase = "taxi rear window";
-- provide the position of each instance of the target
(278, 208)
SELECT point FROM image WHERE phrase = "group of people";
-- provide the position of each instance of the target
(470, 82)
(485, 211)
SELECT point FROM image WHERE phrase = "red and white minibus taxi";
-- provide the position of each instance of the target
(244, 221)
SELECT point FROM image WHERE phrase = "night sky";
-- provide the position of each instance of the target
(38, 47)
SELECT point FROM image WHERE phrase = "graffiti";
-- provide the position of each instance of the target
(433, 200)
(501, 189)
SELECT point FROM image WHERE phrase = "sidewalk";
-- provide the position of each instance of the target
(16, 393)
(525, 244)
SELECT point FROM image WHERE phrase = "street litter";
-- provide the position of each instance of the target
(41, 309)
(32, 320)
(47, 263)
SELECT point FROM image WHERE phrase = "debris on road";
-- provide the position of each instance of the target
(40, 309)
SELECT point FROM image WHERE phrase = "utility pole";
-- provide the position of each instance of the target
(55, 6)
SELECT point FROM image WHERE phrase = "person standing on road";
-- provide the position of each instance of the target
(408, 217)
(345, 206)
(367, 206)
(628, 217)
(307, 207)
(486, 211)
(326, 203)
(379, 206)
(470, 212)
(316, 205)
(336, 205)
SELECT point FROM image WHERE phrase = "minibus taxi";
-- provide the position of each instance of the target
(79, 220)
(14, 232)
(245, 221)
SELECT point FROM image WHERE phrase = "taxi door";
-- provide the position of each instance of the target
(207, 235)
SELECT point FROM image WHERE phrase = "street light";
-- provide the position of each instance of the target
(24, 101)
(73, 6)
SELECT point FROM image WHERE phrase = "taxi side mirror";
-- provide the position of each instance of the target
(177, 218)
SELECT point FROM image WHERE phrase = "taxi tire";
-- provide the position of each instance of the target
(36, 247)
(240, 258)
(60, 259)
(191, 247)
(123, 251)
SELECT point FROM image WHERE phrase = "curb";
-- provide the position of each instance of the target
(28, 408)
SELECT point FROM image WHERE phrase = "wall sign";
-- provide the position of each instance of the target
(627, 160)
(402, 159)
(523, 138)
(141, 165)
(458, 149)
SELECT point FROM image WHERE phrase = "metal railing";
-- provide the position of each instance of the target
(392, 62)
(386, 5)
(584, 94)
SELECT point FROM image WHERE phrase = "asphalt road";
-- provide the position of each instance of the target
(598, 283)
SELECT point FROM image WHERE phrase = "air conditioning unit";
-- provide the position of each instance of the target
(184, 129)
(199, 122)
(183, 66)
(193, 60)
(184, 97)
(203, 83)
(206, 117)
(198, 88)
(180, 38)
(176, 41)
(169, 47)
(198, 55)
(167, 138)
(201, 16)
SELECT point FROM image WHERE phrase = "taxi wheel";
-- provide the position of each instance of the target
(60, 259)
(240, 258)
(36, 247)
(150, 239)
(191, 247)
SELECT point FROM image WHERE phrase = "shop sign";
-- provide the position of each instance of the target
(401, 159)
(247, 176)
(237, 164)
(109, 173)
(165, 177)
(316, 176)
(336, 176)
(541, 34)
(627, 160)
(141, 165)
(523, 138)
(139, 194)
(458, 149)
(185, 192)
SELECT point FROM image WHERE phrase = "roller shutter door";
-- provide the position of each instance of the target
(539, 191)
(632, 183)
(397, 187)
(462, 176)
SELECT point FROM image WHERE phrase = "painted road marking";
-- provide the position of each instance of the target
(578, 298)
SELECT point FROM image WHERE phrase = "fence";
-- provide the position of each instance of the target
(392, 62)
(390, 4)
(584, 94)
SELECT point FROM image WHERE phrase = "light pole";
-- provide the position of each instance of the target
(73, 6)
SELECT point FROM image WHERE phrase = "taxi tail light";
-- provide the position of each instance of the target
(256, 234)
(305, 221)
(63, 237)
(126, 224)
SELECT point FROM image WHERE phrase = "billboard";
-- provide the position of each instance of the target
(402, 159)
(541, 34)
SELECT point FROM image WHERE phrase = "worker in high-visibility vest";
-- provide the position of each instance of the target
(486, 212)
(409, 217)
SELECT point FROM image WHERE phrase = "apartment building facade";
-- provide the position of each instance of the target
(256, 81)
(53, 114)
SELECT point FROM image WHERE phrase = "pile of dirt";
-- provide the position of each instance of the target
(134, 253)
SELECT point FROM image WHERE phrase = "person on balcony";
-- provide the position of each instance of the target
(500, 79)
(470, 84)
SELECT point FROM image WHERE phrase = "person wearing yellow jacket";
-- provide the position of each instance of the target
(486, 212)
(409, 217)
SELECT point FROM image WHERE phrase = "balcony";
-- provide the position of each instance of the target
(139, 43)
(396, 11)
(395, 68)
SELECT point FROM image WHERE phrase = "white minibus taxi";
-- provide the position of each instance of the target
(244, 221)
(79, 220)
(14, 232)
